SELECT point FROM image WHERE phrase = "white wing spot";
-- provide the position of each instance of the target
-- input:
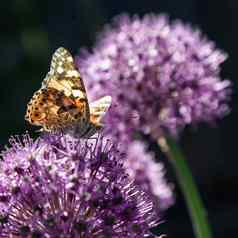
(60, 70)
(70, 59)
(78, 93)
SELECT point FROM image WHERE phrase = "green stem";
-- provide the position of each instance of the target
(190, 192)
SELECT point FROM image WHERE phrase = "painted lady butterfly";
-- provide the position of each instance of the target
(62, 102)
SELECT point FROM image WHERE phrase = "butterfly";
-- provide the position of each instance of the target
(62, 103)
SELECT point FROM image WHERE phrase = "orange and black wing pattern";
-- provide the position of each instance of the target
(62, 99)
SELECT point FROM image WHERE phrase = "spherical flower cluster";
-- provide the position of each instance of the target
(59, 186)
(162, 76)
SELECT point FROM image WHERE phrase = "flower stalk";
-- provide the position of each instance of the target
(188, 187)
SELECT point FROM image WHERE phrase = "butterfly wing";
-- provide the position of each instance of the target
(64, 77)
(62, 66)
(44, 109)
(62, 99)
(98, 109)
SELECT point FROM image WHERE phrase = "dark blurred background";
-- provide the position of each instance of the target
(32, 30)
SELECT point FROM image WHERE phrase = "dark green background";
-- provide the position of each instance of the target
(32, 30)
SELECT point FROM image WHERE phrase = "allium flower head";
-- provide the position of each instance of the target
(161, 76)
(58, 187)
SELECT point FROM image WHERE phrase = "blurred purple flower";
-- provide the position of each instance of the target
(59, 186)
(161, 76)
(149, 175)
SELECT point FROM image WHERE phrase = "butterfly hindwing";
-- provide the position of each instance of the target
(98, 109)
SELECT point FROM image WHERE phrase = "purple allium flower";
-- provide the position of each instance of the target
(161, 76)
(59, 186)
(149, 175)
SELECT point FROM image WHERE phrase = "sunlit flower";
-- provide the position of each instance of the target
(59, 186)
(161, 76)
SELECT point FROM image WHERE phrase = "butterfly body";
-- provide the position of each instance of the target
(61, 102)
